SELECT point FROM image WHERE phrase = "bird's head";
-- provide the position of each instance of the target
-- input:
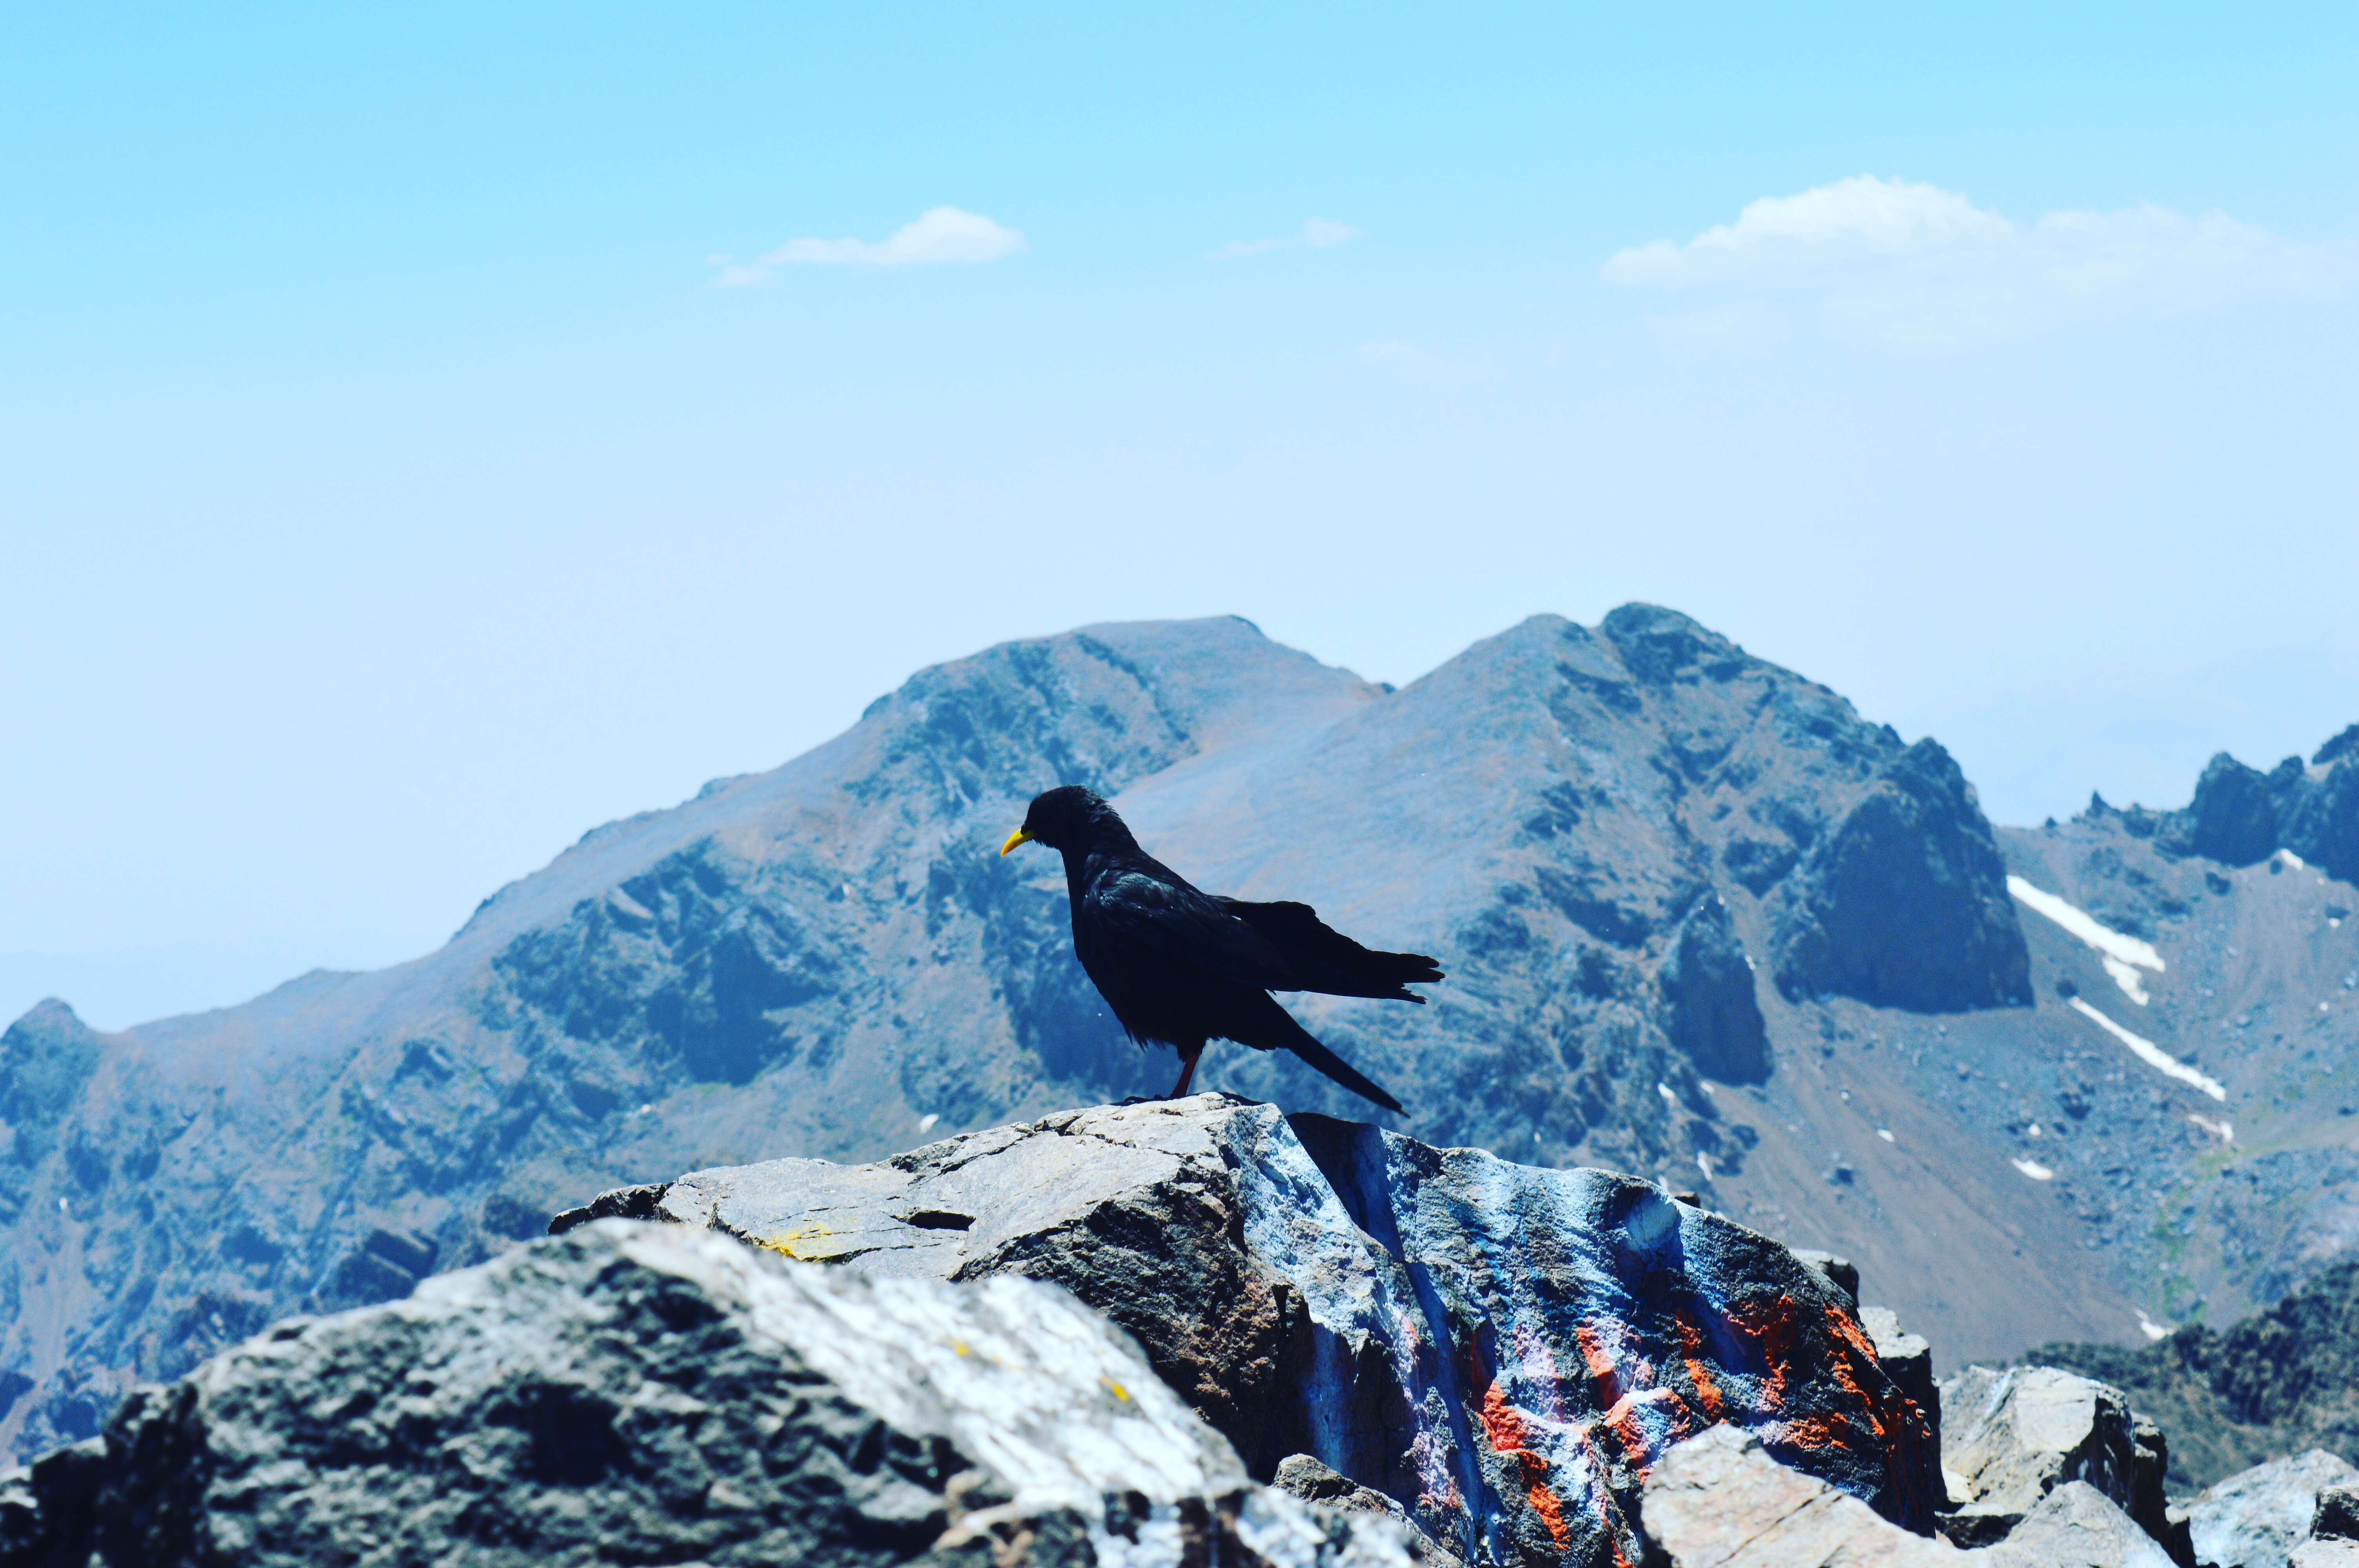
(1066, 818)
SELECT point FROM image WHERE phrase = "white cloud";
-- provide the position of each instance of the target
(937, 236)
(1318, 234)
(1909, 263)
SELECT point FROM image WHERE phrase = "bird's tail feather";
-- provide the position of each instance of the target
(1284, 1031)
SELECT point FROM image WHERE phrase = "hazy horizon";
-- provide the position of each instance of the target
(430, 435)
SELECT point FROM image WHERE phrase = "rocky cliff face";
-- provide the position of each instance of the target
(1904, 903)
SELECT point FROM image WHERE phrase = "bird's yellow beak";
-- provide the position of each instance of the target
(1018, 837)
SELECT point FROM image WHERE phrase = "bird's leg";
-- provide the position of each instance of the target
(1187, 1059)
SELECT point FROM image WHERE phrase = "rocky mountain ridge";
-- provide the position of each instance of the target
(1702, 922)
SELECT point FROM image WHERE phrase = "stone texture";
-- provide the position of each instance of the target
(2334, 1514)
(2326, 1555)
(1500, 1349)
(1718, 1500)
(642, 1394)
(2012, 1437)
(1907, 1359)
(1841, 1272)
(1905, 904)
(2076, 1526)
(1300, 1475)
(2255, 1519)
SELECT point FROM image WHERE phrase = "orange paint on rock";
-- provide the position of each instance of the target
(1623, 1419)
(1601, 1366)
(1815, 1432)
(1502, 1422)
(1699, 1369)
(1504, 1425)
(1773, 1323)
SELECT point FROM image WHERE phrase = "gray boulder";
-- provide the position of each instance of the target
(2012, 1437)
(2255, 1517)
(2335, 1514)
(1720, 1501)
(1502, 1350)
(1300, 1475)
(643, 1393)
(2076, 1526)
(2333, 1531)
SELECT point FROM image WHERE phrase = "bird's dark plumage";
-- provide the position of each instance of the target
(1182, 966)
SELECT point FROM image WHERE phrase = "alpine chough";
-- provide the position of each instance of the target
(1183, 966)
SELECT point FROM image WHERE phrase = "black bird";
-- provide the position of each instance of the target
(1183, 966)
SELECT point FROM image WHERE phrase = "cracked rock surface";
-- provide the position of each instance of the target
(2255, 1517)
(2015, 1437)
(641, 1393)
(1720, 1501)
(1502, 1350)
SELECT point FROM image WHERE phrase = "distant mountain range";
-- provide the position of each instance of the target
(1702, 922)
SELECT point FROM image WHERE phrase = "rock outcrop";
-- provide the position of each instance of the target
(1503, 1351)
(2013, 1437)
(2240, 815)
(1904, 903)
(641, 1393)
(1720, 1501)
(2254, 1518)
(2334, 1527)
(1710, 1010)
(2334, 1523)
(1908, 1360)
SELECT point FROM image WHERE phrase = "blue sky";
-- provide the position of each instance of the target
(396, 479)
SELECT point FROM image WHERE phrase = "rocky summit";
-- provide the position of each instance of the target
(1504, 1350)
(1704, 923)
(1144, 1335)
(1343, 1347)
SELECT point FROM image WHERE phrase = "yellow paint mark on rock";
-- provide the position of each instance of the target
(805, 1246)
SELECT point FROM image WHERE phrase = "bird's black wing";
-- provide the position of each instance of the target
(1132, 911)
(1317, 957)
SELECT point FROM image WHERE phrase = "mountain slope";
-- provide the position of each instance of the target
(1702, 922)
